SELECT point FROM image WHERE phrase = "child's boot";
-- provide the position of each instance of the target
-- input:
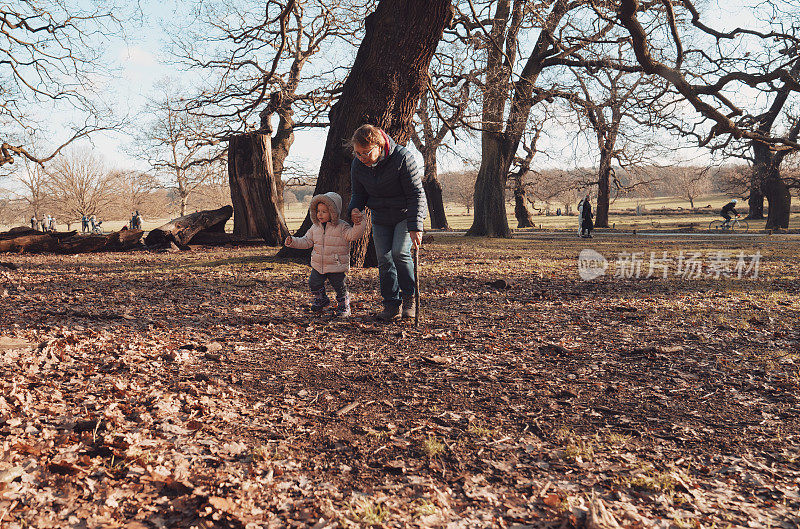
(343, 307)
(319, 300)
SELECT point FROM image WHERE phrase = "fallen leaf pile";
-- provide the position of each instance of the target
(147, 390)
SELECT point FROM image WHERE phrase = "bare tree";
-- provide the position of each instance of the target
(621, 110)
(134, 188)
(181, 148)
(270, 59)
(49, 51)
(433, 129)
(691, 183)
(33, 179)
(761, 59)
(459, 187)
(523, 168)
(80, 184)
(510, 84)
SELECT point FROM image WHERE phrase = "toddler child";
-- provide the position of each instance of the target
(330, 239)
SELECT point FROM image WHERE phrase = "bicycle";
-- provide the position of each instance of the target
(735, 225)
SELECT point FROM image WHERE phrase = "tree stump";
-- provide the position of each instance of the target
(254, 192)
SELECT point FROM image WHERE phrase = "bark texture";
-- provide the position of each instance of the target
(254, 191)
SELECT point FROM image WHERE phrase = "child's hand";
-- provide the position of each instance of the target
(357, 216)
(288, 241)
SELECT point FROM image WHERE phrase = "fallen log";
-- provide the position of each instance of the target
(180, 231)
(37, 243)
(124, 239)
(18, 231)
(117, 241)
(22, 231)
(68, 242)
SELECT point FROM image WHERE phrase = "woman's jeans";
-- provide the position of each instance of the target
(395, 265)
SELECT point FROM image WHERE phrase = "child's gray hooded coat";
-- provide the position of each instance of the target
(331, 242)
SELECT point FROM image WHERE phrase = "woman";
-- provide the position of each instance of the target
(385, 178)
(586, 218)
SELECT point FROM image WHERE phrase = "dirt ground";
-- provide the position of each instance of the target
(194, 389)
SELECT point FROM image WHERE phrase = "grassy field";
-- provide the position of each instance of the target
(459, 219)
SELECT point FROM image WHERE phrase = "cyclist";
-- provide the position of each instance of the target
(729, 210)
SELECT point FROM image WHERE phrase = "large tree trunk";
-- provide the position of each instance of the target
(521, 211)
(780, 201)
(603, 190)
(116, 241)
(388, 76)
(181, 230)
(755, 204)
(25, 240)
(766, 173)
(433, 192)
(254, 191)
(281, 142)
(489, 217)
(35, 243)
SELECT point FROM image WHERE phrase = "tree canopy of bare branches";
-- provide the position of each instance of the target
(738, 80)
(181, 148)
(265, 59)
(80, 184)
(49, 51)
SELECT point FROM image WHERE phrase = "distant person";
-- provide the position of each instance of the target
(93, 222)
(34, 222)
(329, 238)
(136, 221)
(728, 211)
(587, 225)
(52, 223)
(84, 224)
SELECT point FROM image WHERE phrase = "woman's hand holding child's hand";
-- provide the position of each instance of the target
(288, 241)
(357, 216)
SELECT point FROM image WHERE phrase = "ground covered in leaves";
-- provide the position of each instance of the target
(146, 390)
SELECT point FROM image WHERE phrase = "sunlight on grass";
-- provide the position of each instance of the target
(432, 447)
(367, 511)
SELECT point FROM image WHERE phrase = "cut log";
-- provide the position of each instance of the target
(181, 230)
